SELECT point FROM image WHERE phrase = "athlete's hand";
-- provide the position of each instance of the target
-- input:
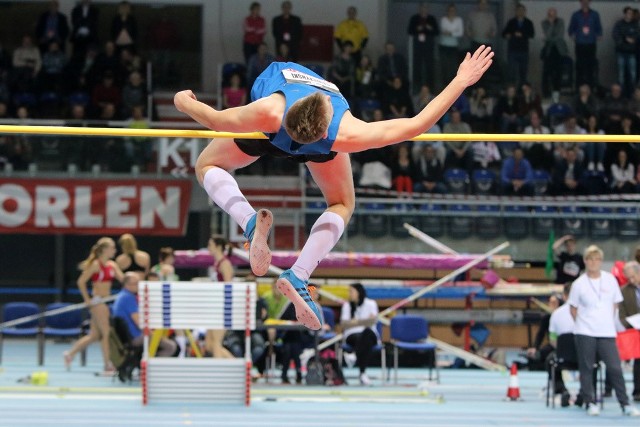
(182, 98)
(474, 66)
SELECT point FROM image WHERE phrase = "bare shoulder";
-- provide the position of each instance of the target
(269, 111)
(350, 134)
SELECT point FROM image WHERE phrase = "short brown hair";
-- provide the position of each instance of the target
(307, 119)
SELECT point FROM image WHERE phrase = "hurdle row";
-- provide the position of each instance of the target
(189, 305)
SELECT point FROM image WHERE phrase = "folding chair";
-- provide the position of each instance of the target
(410, 333)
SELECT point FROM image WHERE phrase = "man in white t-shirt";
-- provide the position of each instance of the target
(560, 323)
(593, 303)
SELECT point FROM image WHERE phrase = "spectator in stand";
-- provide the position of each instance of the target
(396, 101)
(82, 72)
(517, 175)
(481, 26)
(482, 106)
(391, 65)
(569, 126)
(106, 93)
(283, 54)
(568, 174)
(614, 106)
(52, 26)
(124, 28)
(287, 29)
(539, 154)
(451, 32)
(84, 151)
(486, 155)
(343, 70)
(626, 34)
(51, 74)
(585, 29)
(235, 94)
(529, 102)
(630, 306)
(27, 62)
(569, 263)
(459, 154)
(553, 52)
(634, 104)
(129, 62)
(258, 63)
(354, 31)
(585, 103)
(84, 22)
(506, 111)
(557, 111)
(594, 299)
(254, 31)
(134, 93)
(628, 127)
(19, 153)
(142, 147)
(422, 98)
(109, 60)
(402, 170)
(429, 175)
(594, 151)
(518, 31)
(423, 29)
(366, 78)
(463, 105)
(623, 174)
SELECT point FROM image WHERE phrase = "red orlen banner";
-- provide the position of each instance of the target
(94, 206)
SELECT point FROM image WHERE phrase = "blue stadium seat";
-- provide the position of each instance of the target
(541, 182)
(460, 226)
(572, 222)
(366, 107)
(373, 224)
(79, 98)
(516, 227)
(488, 222)
(18, 310)
(627, 228)
(433, 222)
(483, 182)
(398, 220)
(601, 228)
(456, 180)
(541, 227)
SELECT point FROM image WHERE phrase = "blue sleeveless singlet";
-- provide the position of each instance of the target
(271, 81)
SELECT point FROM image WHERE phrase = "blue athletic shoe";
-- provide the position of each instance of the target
(257, 233)
(307, 311)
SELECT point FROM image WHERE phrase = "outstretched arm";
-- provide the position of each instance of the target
(355, 135)
(258, 116)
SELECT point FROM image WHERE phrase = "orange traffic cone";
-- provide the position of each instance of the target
(513, 392)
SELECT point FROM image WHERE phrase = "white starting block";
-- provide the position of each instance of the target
(202, 305)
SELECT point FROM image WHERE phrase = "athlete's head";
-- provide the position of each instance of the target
(308, 118)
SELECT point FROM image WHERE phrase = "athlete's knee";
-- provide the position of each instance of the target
(201, 168)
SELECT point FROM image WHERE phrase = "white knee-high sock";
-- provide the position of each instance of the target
(324, 235)
(225, 193)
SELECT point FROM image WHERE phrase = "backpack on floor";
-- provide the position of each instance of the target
(325, 370)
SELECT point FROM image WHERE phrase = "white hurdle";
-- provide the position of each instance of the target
(188, 305)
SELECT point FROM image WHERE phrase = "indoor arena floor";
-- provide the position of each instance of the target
(463, 398)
